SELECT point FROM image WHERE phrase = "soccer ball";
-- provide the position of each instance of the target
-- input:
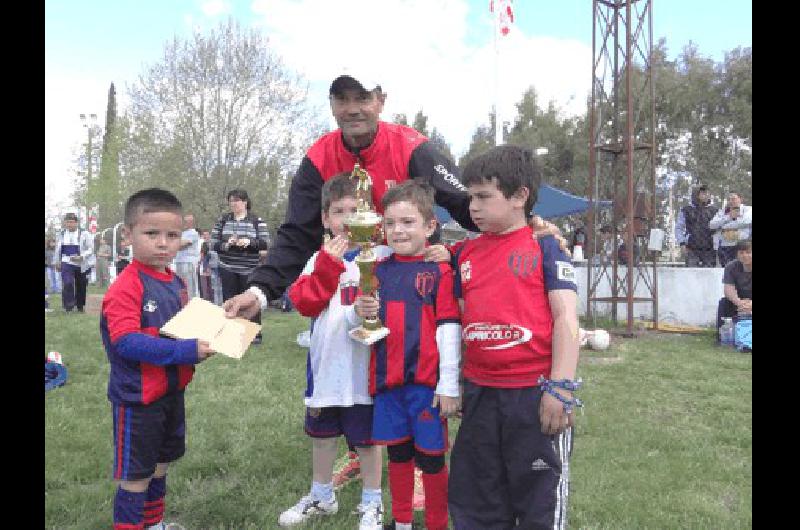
(599, 339)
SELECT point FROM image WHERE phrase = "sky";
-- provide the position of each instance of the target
(433, 55)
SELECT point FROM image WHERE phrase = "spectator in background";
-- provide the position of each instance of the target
(188, 256)
(103, 261)
(213, 268)
(123, 254)
(52, 283)
(74, 257)
(238, 237)
(203, 270)
(737, 281)
(692, 231)
(578, 239)
(608, 247)
(734, 224)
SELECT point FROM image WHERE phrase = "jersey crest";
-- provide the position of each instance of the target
(466, 271)
(522, 264)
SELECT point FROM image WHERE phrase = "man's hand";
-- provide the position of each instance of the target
(336, 247)
(745, 306)
(552, 416)
(243, 242)
(448, 406)
(244, 305)
(542, 228)
(367, 306)
(436, 253)
(204, 351)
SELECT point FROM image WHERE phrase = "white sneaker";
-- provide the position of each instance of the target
(371, 516)
(305, 508)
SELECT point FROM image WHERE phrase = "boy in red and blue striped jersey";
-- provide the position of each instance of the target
(148, 373)
(414, 370)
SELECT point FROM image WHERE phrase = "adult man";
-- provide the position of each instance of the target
(74, 257)
(390, 153)
(734, 224)
(692, 230)
(737, 281)
(188, 256)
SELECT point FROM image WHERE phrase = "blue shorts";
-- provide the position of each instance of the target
(405, 413)
(146, 435)
(354, 422)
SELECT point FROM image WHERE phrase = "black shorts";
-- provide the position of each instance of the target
(146, 435)
(504, 472)
(354, 422)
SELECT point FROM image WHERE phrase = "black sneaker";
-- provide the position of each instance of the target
(80, 310)
(258, 339)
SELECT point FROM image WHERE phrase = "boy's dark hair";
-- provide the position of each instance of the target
(239, 194)
(416, 191)
(70, 217)
(336, 188)
(512, 166)
(746, 245)
(149, 201)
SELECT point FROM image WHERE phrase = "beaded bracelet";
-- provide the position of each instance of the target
(548, 385)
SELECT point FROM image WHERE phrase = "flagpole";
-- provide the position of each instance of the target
(498, 123)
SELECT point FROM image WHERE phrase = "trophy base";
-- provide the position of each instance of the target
(368, 336)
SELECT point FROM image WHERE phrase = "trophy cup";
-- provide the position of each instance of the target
(363, 227)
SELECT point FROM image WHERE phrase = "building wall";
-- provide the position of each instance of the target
(685, 295)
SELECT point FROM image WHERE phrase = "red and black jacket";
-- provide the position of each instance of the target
(397, 154)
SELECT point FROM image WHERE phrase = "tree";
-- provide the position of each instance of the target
(105, 189)
(220, 111)
(400, 119)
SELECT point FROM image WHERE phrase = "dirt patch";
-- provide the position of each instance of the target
(588, 359)
(94, 303)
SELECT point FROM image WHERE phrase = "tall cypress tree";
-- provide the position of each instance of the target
(107, 190)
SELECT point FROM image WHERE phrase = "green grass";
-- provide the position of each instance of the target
(664, 441)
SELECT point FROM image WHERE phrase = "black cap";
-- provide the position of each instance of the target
(351, 80)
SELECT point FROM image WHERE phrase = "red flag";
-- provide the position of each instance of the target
(505, 14)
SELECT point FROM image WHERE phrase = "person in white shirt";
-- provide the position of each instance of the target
(188, 256)
(74, 257)
(734, 223)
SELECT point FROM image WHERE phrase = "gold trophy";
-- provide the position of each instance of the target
(363, 227)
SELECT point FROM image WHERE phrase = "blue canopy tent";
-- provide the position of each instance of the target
(552, 202)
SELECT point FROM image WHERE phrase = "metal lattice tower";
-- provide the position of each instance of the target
(621, 155)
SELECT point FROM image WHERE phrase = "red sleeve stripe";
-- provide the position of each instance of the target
(395, 343)
(428, 361)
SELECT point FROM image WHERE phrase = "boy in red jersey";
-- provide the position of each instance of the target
(414, 370)
(509, 465)
(148, 373)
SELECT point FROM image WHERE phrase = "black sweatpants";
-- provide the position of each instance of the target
(725, 309)
(504, 472)
(234, 283)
